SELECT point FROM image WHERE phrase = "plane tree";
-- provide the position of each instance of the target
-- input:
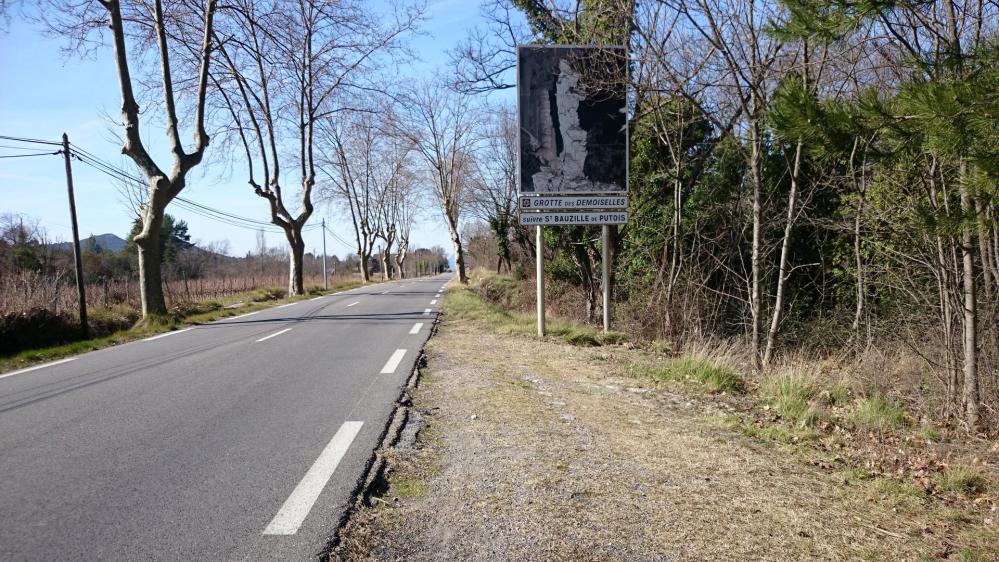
(285, 69)
(142, 32)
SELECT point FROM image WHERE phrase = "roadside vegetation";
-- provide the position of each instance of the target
(886, 448)
(559, 449)
(122, 325)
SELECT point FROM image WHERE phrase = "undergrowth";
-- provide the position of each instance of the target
(468, 304)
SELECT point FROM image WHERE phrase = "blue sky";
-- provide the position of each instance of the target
(46, 93)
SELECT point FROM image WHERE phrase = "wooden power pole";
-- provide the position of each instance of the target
(77, 258)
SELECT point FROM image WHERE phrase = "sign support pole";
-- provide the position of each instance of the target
(605, 273)
(539, 260)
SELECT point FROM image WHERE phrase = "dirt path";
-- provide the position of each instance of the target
(536, 451)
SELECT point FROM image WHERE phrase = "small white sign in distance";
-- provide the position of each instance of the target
(578, 218)
(573, 202)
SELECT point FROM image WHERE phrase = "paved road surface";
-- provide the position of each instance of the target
(236, 440)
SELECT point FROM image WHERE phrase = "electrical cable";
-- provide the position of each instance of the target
(29, 155)
(27, 140)
(197, 208)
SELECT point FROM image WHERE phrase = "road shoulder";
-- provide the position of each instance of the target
(542, 450)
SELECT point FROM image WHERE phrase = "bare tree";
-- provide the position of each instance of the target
(138, 28)
(368, 170)
(494, 198)
(440, 125)
(287, 68)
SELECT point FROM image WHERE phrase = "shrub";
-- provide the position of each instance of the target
(878, 413)
(108, 321)
(962, 480)
(712, 376)
(36, 327)
(791, 395)
(271, 294)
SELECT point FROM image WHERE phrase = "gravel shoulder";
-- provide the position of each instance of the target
(537, 450)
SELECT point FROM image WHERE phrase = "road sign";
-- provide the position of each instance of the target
(573, 117)
(572, 202)
(578, 218)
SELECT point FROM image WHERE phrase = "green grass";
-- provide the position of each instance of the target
(709, 375)
(965, 480)
(465, 304)
(408, 488)
(179, 317)
(792, 396)
(878, 413)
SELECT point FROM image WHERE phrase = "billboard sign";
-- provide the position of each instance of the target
(572, 107)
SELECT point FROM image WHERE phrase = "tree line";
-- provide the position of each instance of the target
(302, 98)
(814, 175)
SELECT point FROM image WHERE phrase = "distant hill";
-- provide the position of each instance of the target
(107, 242)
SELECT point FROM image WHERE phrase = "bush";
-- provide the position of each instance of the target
(272, 294)
(498, 289)
(35, 327)
(962, 480)
(877, 413)
(712, 376)
(106, 322)
(791, 395)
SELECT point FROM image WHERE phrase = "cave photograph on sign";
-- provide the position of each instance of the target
(573, 119)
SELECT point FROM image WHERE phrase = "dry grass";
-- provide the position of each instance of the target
(540, 450)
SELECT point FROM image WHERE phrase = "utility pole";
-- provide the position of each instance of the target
(326, 283)
(77, 258)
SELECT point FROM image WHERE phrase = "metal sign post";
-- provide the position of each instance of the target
(605, 272)
(539, 259)
(572, 108)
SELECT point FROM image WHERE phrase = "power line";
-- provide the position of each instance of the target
(25, 148)
(29, 155)
(197, 208)
(95, 162)
(338, 238)
(27, 140)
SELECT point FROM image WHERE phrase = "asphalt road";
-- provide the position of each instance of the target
(236, 440)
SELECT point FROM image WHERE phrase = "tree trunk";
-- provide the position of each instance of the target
(296, 273)
(972, 402)
(754, 297)
(785, 250)
(365, 272)
(859, 259)
(988, 268)
(582, 258)
(459, 252)
(150, 270)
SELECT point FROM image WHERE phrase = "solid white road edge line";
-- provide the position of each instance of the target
(416, 328)
(36, 367)
(284, 305)
(384, 292)
(426, 312)
(353, 303)
(298, 505)
(433, 302)
(393, 362)
(274, 334)
(167, 334)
